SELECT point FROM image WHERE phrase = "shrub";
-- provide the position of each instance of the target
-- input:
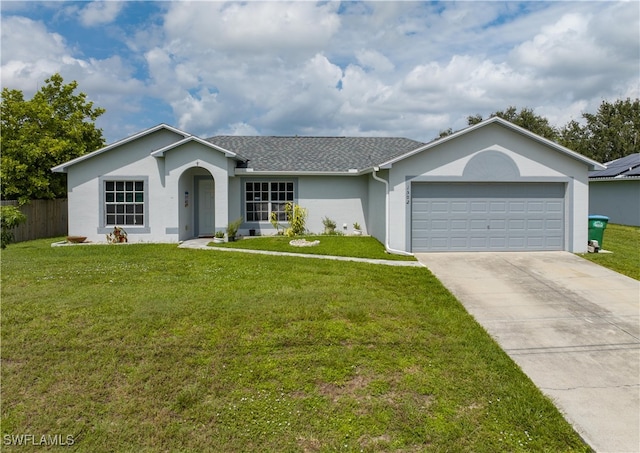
(297, 217)
(329, 225)
(10, 217)
(232, 228)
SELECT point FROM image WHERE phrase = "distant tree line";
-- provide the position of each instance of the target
(610, 133)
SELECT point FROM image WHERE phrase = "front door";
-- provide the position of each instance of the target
(205, 194)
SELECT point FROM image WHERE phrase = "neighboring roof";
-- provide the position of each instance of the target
(496, 119)
(315, 154)
(620, 168)
(62, 168)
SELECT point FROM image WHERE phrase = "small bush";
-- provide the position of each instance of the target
(297, 217)
(329, 225)
(10, 217)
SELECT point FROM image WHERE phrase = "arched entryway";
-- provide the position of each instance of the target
(197, 203)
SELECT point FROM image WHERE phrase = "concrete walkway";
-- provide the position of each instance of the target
(203, 245)
(571, 325)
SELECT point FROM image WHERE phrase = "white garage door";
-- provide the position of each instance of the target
(487, 216)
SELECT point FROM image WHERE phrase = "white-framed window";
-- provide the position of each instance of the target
(264, 197)
(124, 202)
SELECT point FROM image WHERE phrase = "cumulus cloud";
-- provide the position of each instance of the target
(100, 12)
(252, 28)
(351, 68)
(29, 53)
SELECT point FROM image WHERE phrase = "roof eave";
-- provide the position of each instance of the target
(252, 172)
(615, 178)
(62, 168)
(161, 152)
(593, 165)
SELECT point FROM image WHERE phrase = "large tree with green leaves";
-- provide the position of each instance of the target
(56, 125)
(524, 118)
(610, 133)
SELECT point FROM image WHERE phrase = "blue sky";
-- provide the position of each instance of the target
(397, 68)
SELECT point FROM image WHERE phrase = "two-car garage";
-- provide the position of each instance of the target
(492, 187)
(502, 216)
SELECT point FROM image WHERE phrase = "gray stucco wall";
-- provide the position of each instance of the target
(343, 199)
(131, 159)
(618, 199)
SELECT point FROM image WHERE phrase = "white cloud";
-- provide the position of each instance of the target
(29, 53)
(277, 28)
(100, 12)
(370, 58)
(356, 68)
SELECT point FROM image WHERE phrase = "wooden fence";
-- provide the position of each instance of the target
(45, 219)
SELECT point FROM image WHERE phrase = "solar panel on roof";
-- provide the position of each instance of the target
(624, 165)
(632, 172)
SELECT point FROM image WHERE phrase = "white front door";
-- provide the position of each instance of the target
(206, 207)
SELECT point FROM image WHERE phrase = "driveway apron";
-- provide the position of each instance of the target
(572, 326)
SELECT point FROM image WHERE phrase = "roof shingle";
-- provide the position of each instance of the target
(314, 154)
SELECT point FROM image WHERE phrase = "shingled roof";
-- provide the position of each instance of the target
(314, 154)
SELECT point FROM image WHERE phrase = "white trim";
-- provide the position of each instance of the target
(496, 119)
(265, 173)
(62, 168)
(160, 152)
(387, 215)
(615, 178)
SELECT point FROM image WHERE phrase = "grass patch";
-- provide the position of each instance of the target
(624, 242)
(155, 348)
(354, 246)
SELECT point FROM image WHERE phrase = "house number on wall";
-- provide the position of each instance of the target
(408, 196)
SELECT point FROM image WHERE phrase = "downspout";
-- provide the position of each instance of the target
(387, 215)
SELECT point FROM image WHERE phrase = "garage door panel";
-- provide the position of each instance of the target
(439, 225)
(498, 207)
(536, 207)
(476, 225)
(555, 206)
(439, 206)
(554, 224)
(479, 207)
(459, 225)
(535, 224)
(477, 216)
(516, 225)
(516, 206)
(498, 224)
(460, 206)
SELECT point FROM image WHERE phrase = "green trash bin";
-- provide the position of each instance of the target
(597, 225)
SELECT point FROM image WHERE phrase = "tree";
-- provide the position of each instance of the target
(56, 125)
(611, 133)
(525, 118)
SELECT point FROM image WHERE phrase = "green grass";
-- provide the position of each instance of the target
(354, 246)
(154, 348)
(624, 242)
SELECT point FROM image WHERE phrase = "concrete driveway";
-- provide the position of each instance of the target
(571, 325)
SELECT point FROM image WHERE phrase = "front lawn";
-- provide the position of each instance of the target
(624, 242)
(155, 348)
(354, 246)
